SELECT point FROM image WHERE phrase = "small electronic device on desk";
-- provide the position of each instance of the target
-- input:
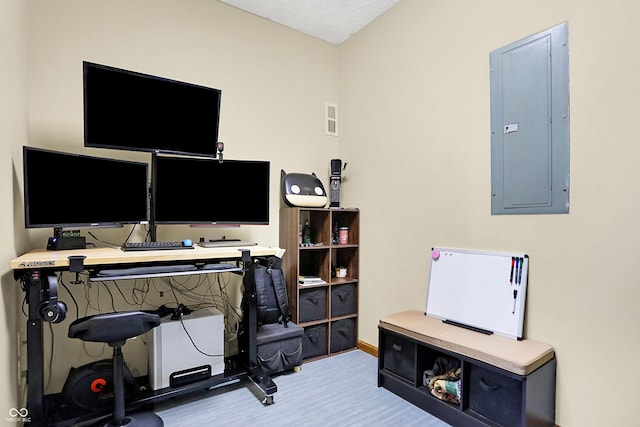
(224, 242)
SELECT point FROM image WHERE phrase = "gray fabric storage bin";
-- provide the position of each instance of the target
(496, 396)
(343, 299)
(314, 342)
(400, 356)
(343, 335)
(279, 348)
(313, 304)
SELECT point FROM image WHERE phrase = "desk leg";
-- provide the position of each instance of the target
(249, 346)
(250, 318)
(35, 353)
(266, 384)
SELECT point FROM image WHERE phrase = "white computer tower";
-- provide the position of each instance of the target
(187, 350)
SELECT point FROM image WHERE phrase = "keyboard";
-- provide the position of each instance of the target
(153, 246)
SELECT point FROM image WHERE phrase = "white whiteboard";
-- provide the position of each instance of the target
(481, 290)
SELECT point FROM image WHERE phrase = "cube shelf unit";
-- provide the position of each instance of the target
(328, 311)
(505, 382)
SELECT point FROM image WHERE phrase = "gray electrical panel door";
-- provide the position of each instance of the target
(530, 125)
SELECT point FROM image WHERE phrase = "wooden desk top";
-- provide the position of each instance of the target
(42, 258)
(520, 357)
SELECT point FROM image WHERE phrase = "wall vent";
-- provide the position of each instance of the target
(331, 119)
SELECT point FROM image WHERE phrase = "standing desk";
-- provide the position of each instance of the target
(33, 268)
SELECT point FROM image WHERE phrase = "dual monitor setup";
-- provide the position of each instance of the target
(189, 183)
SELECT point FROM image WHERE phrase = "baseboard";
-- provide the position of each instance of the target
(368, 348)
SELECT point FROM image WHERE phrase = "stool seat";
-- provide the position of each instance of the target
(113, 328)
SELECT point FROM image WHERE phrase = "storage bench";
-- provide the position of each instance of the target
(503, 382)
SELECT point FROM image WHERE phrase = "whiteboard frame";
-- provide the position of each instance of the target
(475, 289)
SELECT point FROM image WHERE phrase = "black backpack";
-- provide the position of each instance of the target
(271, 294)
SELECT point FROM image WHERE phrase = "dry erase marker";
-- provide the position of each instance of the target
(520, 271)
(513, 261)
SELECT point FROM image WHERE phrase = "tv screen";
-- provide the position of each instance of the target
(127, 110)
(205, 191)
(64, 190)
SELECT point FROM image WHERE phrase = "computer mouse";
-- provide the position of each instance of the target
(187, 242)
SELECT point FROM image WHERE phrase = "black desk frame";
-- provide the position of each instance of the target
(34, 285)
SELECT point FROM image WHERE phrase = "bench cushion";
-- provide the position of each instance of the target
(520, 357)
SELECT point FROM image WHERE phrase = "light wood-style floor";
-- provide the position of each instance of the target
(336, 391)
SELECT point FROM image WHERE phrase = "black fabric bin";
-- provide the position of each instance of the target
(279, 348)
(313, 304)
(314, 342)
(343, 335)
(400, 356)
(495, 396)
(343, 299)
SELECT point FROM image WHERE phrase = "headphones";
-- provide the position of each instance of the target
(51, 309)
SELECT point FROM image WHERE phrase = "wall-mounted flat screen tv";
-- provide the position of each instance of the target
(128, 110)
(63, 190)
(203, 191)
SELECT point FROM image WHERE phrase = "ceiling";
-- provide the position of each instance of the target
(333, 21)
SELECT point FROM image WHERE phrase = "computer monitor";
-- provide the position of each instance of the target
(127, 110)
(64, 190)
(203, 191)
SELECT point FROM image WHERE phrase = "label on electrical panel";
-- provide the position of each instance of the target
(513, 127)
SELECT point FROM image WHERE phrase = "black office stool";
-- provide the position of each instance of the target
(114, 329)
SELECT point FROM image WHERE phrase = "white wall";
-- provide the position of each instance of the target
(415, 127)
(13, 133)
